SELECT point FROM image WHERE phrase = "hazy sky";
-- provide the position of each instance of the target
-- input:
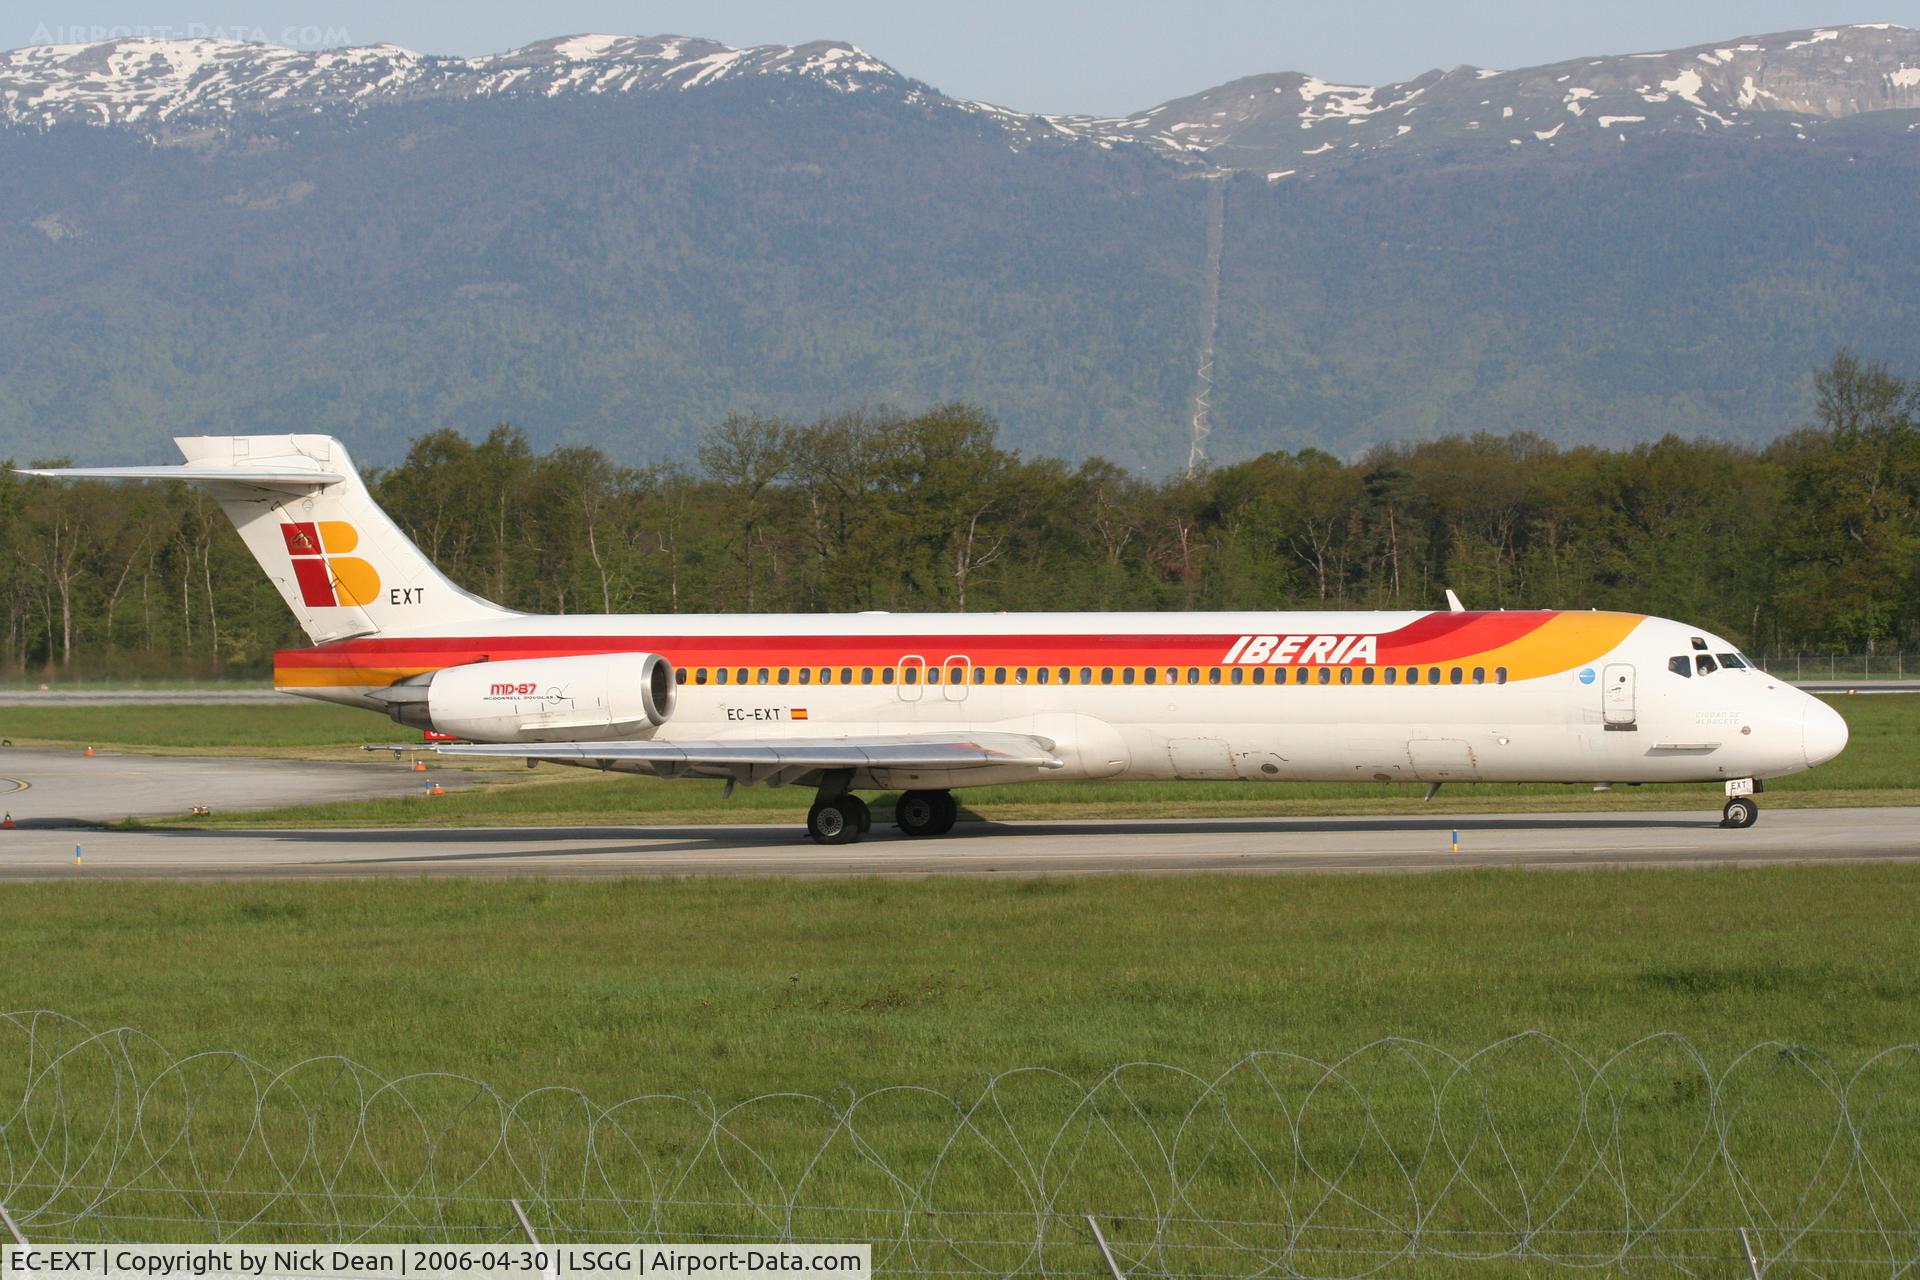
(1029, 54)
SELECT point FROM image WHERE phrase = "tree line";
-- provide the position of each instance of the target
(1809, 542)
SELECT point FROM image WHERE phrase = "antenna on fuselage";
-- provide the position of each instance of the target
(1453, 602)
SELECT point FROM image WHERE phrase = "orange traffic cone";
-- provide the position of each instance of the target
(437, 790)
(6, 823)
(419, 766)
(87, 752)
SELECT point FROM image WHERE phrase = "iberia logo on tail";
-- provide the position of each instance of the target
(327, 577)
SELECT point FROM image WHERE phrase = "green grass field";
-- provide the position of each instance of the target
(732, 990)
(1880, 766)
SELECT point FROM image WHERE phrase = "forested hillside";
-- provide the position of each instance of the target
(1813, 540)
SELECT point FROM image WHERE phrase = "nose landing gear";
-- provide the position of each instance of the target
(1740, 811)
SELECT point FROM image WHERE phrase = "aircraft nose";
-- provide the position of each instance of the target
(1822, 732)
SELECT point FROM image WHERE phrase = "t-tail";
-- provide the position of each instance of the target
(341, 565)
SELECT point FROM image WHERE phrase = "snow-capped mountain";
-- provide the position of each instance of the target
(620, 240)
(152, 81)
(1783, 85)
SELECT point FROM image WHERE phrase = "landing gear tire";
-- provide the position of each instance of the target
(838, 821)
(1740, 812)
(949, 813)
(925, 813)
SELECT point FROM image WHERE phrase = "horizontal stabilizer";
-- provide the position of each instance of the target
(276, 477)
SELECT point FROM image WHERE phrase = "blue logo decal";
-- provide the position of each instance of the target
(1586, 675)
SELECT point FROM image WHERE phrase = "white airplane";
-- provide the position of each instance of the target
(926, 703)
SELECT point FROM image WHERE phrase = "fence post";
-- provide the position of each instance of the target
(1113, 1267)
(13, 1228)
(525, 1226)
(1753, 1263)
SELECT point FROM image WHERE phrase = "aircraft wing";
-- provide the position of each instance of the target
(767, 759)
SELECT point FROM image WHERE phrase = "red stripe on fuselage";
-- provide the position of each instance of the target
(1439, 637)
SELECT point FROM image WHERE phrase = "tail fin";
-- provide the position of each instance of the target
(341, 565)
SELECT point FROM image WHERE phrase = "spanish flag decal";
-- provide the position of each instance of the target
(797, 713)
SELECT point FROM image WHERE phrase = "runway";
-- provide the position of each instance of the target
(1234, 846)
(43, 788)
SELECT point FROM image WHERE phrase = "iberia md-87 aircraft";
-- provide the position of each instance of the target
(925, 703)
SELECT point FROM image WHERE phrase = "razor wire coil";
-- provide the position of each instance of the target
(1399, 1157)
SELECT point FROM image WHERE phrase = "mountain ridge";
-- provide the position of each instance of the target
(624, 239)
(1756, 84)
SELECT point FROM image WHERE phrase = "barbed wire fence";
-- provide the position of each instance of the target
(1523, 1157)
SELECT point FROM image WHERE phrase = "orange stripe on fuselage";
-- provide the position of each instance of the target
(1529, 644)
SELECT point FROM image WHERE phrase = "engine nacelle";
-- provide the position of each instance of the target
(604, 695)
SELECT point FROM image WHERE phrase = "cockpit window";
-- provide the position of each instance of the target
(1707, 665)
(1732, 661)
(1680, 666)
(1698, 643)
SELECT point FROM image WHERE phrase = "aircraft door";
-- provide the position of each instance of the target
(957, 677)
(1616, 696)
(913, 675)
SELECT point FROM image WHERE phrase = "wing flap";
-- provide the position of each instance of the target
(925, 751)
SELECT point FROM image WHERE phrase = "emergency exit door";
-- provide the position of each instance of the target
(1616, 695)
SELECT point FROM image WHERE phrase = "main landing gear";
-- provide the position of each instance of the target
(841, 820)
(925, 813)
(838, 817)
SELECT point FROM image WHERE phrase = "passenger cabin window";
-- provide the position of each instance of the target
(1086, 676)
(1499, 675)
(1680, 666)
(1039, 674)
(1151, 674)
(1346, 675)
(1479, 675)
(886, 675)
(1193, 675)
(1453, 676)
(719, 675)
(1433, 675)
(1259, 675)
(763, 675)
(980, 675)
(1706, 664)
(700, 676)
(783, 675)
(1326, 675)
(866, 675)
(1126, 675)
(680, 675)
(846, 675)
(909, 675)
(1238, 675)
(1413, 675)
(806, 675)
(1213, 675)
(1366, 675)
(999, 675)
(1391, 673)
(1299, 675)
